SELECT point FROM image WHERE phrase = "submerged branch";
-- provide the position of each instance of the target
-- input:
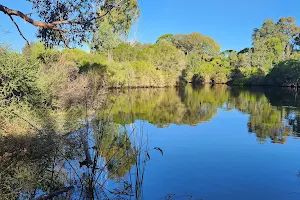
(56, 193)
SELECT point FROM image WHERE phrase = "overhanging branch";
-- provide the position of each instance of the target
(51, 25)
(12, 19)
(55, 24)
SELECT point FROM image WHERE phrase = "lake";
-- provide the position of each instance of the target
(210, 142)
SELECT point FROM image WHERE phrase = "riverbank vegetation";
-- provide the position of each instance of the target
(43, 80)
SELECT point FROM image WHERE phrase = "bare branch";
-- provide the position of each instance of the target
(12, 19)
(56, 193)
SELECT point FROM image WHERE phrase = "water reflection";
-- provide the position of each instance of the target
(272, 116)
(93, 162)
(104, 156)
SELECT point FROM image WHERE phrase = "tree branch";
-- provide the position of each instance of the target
(11, 12)
(55, 24)
(12, 19)
(56, 193)
(51, 25)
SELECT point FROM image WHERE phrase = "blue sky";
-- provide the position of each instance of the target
(229, 22)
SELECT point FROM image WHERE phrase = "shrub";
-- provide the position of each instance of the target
(164, 56)
(18, 77)
(125, 53)
(37, 51)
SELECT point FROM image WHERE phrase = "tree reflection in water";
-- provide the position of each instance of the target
(97, 161)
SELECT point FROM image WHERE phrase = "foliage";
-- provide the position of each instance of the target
(168, 37)
(64, 78)
(125, 53)
(273, 44)
(115, 26)
(38, 52)
(134, 74)
(68, 22)
(164, 56)
(216, 71)
(18, 77)
(196, 43)
(122, 17)
(286, 73)
(104, 40)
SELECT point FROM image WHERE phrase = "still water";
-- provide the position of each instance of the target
(193, 143)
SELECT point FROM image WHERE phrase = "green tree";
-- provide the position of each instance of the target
(262, 57)
(243, 60)
(285, 73)
(274, 45)
(122, 17)
(165, 56)
(168, 37)
(275, 41)
(268, 29)
(115, 26)
(196, 43)
(125, 52)
(104, 39)
(232, 56)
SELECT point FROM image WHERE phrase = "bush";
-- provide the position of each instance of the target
(125, 53)
(164, 56)
(216, 71)
(37, 51)
(134, 74)
(286, 73)
(18, 77)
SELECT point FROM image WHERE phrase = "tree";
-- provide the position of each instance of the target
(125, 52)
(232, 56)
(164, 56)
(274, 45)
(262, 56)
(196, 43)
(167, 37)
(243, 60)
(65, 22)
(122, 17)
(268, 29)
(104, 40)
(115, 26)
(286, 73)
(272, 42)
(281, 38)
